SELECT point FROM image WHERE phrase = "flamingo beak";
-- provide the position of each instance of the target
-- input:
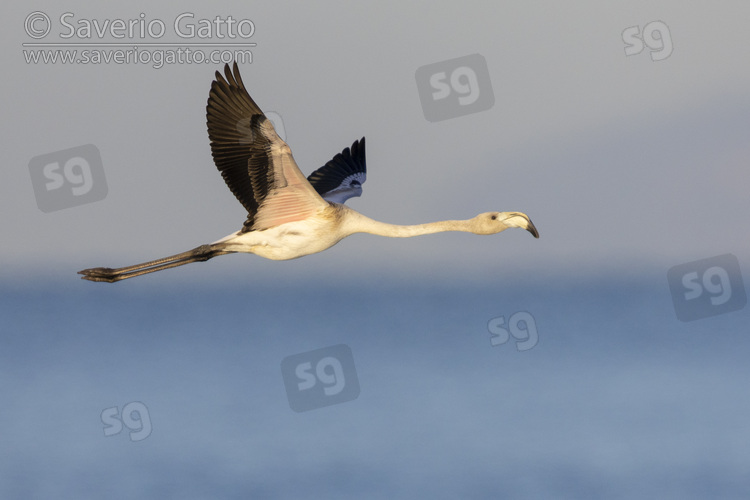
(518, 219)
(532, 229)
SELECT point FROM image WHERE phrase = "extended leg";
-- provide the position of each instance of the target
(199, 254)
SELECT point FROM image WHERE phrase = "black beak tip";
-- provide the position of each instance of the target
(532, 230)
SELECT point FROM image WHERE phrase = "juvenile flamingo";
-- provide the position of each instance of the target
(288, 216)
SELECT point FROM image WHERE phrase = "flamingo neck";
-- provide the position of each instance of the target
(358, 223)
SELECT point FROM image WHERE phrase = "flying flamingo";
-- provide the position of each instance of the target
(288, 216)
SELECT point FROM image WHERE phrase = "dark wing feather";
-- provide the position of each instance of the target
(343, 176)
(244, 144)
(230, 113)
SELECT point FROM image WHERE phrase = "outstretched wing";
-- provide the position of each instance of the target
(343, 176)
(255, 163)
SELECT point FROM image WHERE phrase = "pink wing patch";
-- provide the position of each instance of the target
(294, 199)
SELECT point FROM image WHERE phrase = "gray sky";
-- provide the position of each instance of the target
(621, 161)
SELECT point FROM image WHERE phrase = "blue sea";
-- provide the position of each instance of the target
(134, 390)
